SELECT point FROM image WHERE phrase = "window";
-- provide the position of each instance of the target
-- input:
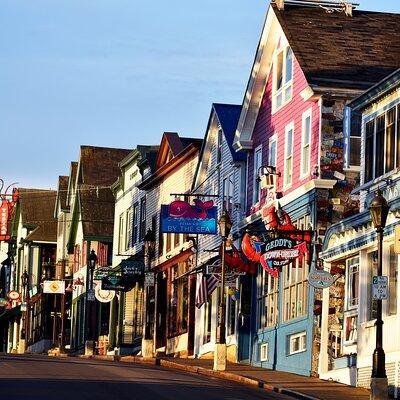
(393, 268)
(288, 155)
(306, 144)
(121, 236)
(283, 74)
(219, 146)
(267, 300)
(264, 352)
(352, 134)
(381, 144)
(352, 270)
(350, 328)
(178, 307)
(142, 218)
(373, 271)
(297, 343)
(129, 221)
(227, 193)
(256, 182)
(135, 223)
(272, 151)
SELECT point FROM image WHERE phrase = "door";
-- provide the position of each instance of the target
(161, 317)
(244, 323)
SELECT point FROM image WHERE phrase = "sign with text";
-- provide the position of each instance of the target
(280, 251)
(149, 279)
(134, 268)
(182, 217)
(379, 287)
(101, 272)
(320, 279)
(6, 211)
(114, 282)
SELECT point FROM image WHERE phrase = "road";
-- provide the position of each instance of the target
(47, 378)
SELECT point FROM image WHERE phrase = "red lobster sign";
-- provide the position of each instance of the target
(6, 210)
(280, 251)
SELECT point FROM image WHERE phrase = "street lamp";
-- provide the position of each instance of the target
(379, 211)
(225, 225)
(24, 283)
(92, 261)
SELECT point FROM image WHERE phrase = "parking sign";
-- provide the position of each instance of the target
(379, 287)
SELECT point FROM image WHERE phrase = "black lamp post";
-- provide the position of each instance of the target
(24, 283)
(379, 211)
(92, 261)
(149, 246)
(225, 225)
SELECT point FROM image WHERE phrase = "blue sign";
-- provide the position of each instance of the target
(181, 217)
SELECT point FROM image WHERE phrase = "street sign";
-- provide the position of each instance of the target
(149, 279)
(54, 287)
(91, 295)
(24, 306)
(379, 287)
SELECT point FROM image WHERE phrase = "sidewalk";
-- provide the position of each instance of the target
(297, 386)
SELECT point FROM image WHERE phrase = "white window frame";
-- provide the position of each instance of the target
(256, 183)
(227, 198)
(286, 183)
(285, 85)
(128, 229)
(303, 342)
(347, 140)
(304, 173)
(264, 350)
(121, 233)
(349, 281)
(273, 140)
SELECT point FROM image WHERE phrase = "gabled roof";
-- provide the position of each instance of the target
(62, 193)
(337, 54)
(36, 207)
(173, 151)
(228, 117)
(337, 50)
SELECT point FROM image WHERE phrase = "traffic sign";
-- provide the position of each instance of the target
(91, 295)
(379, 287)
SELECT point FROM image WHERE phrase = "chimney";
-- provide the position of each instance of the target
(348, 9)
(280, 4)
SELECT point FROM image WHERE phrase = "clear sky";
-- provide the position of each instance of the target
(117, 73)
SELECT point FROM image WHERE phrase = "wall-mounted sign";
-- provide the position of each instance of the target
(320, 279)
(13, 295)
(91, 295)
(182, 217)
(6, 211)
(149, 279)
(54, 287)
(104, 296)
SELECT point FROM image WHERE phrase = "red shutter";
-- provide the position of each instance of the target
(84, 252)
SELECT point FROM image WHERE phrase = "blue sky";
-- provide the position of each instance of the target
(117, 73)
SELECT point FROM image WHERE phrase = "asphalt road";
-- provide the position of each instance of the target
(46, 378)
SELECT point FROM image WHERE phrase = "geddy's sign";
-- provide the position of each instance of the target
(182, 217)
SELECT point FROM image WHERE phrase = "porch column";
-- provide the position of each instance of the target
(323, 365)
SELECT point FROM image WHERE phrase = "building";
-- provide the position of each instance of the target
(291, 125)
(350, 251)
(92, 205)
(172, 297)
(221, 173)
(127, 310)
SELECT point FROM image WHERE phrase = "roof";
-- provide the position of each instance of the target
(336, 50)
(36, 206)
(228, 117)
(62, 191)
(377, 91)
(46, 232)
(99, 165)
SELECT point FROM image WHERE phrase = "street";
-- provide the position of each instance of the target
(40, 377)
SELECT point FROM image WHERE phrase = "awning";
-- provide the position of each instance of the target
(10, 313)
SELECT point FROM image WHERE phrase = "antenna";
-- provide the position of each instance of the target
(329, 5)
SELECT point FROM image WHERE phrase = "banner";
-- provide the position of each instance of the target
(6, 212)
(181, 217)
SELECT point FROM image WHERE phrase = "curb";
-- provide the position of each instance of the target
(205, 372)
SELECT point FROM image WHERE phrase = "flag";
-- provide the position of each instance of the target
(207, 285)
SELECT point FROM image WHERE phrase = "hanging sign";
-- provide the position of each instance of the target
(114, 282)
(3, 302)
(6, 212)
(103, 296)
(13, 295)
(101, 272)
(182, 217)
(320, 279)
(133, 268)
(54, 287)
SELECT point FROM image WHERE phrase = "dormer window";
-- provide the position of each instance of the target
(283, 77)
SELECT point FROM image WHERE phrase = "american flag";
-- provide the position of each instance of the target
(207, 285)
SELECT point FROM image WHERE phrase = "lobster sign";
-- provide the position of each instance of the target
(182, 217)
(6, 211)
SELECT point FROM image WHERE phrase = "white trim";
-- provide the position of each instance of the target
(306, 114)
(286, 185)
(302, 342)
(283, 49)
(273, 139)
(264, 350)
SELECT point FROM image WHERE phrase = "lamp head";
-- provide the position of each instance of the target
(225, 224)
(379, 210)
(92, 260)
